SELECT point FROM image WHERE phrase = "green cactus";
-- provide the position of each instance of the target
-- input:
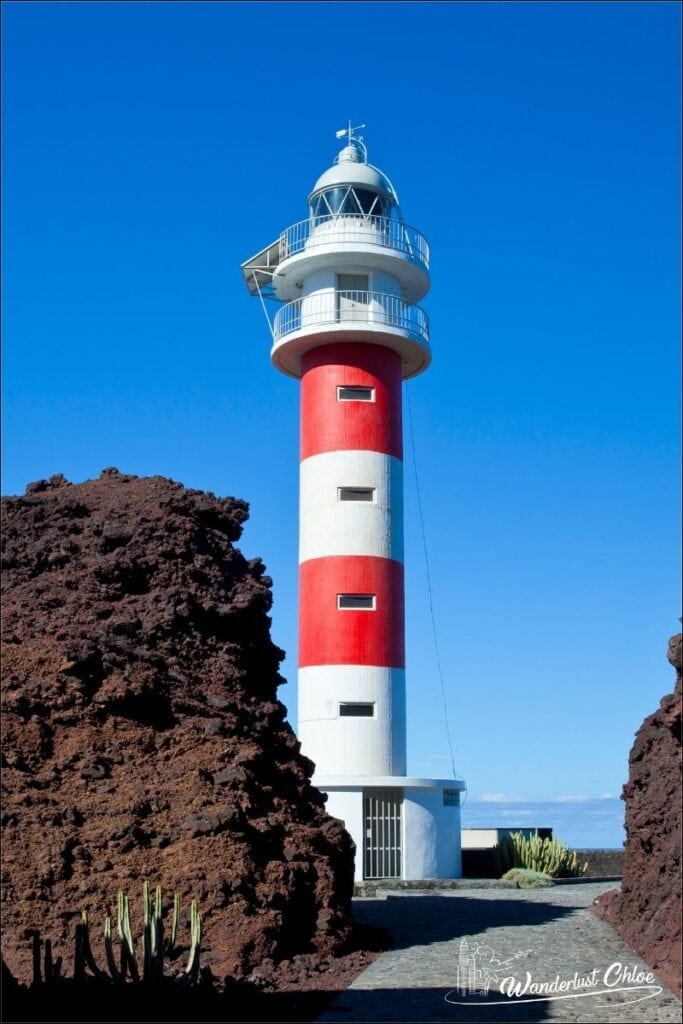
(154, 946)
(147, 970)
(549, 856)
(170, 944)
(192, 969)
(82, 951)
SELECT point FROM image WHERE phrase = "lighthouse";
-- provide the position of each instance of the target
(349, 279)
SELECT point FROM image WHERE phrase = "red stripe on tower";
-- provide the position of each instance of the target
(334, 635)
(329, 423)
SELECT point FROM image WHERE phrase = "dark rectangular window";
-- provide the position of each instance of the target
(356, 493)
(451, 798)
(357, 602)
(356, 710)
(355, 394)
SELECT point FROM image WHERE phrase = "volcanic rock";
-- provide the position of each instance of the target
(142, 734)
(647, 910)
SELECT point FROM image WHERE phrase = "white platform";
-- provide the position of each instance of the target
(430, 839)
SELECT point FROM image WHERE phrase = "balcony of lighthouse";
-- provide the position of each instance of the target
(371, 317)
(340, 241)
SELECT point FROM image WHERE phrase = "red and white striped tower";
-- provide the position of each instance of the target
(351, 623)
(350, 329)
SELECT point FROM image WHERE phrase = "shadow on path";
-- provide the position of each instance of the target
(410, 921)
(423, 920)
(416, 1006)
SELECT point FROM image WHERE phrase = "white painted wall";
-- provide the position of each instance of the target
(431, 831)
(487, 838)
(319, 280)
(347, 805)
(328, 526)
(479, 838)
(326, 278)
(357, 231)
(431, 834)
(353, 746)
(383, 282)
(319, 300)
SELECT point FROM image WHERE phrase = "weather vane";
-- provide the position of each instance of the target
(349, 131)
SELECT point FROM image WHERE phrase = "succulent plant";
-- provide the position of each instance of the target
(549, 856)
(149, 969)
(154, 946)
(526, 878)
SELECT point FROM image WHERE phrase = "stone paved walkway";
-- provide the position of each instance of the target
(554, 927)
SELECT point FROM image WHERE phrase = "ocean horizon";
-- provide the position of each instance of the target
(584, 823)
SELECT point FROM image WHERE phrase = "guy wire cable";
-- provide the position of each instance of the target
(429, 583)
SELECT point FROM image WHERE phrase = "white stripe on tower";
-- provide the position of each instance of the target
(338, 515)
(332, 742)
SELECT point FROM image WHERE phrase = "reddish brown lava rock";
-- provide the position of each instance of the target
(142, 734)
(647, 911)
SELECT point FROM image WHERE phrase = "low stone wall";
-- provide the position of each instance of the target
(601, 863)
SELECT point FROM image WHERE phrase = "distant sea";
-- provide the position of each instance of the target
(583, 823)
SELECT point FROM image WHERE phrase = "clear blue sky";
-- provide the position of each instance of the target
(149, 148)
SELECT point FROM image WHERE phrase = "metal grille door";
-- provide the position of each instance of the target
(382, 814)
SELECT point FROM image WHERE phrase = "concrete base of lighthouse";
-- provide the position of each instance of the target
(403, 827)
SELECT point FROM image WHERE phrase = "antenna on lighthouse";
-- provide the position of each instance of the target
(354, 144)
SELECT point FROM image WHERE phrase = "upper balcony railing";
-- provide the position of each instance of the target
(382, 231)
(346, 307)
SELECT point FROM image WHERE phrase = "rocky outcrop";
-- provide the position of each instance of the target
(647, 911)
(142, 734)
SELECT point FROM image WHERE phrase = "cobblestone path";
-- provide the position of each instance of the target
(554, 932)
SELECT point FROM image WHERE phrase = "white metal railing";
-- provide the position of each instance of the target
(352, 227)
(342, 307)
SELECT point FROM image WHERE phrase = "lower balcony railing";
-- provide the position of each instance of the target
(344, 307)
